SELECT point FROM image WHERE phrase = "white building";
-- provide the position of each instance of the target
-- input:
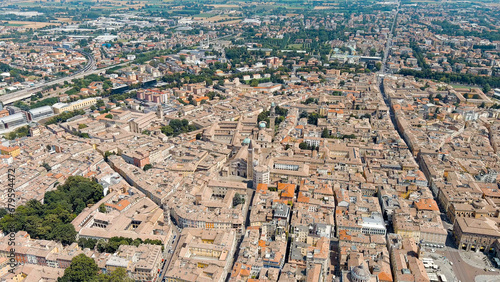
(261, 174)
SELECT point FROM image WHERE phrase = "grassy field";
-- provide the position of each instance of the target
(205, 15)
(94, 4)
(230, 22)
(294, 46)
(67, 20)
(223, 6)
(460, 86)
(28, 24)
(324, 7)
(13, 25)
(217, 18)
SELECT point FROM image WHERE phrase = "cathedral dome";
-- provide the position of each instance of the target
(360, 274)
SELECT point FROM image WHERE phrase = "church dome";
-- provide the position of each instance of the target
(360, 274)
(262, 124)
(479, 204)
(246, 141)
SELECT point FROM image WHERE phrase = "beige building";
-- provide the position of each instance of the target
(202, 255)
(406, 266)
(143, 263)
(476, 234)
(73, 106)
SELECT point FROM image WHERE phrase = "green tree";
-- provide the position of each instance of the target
(107, 154)
(177, 126)
(147, 167)
(52, 220)
(87, 243)
(238, 199)
(303, 146)
(47, 166)
(81, 269)
(118, 275)
(486, 88)
(65, 233)
(208, 82)
(100, 103)
(325, 133)
(64, 117)
(167, 130)
(3, 212)
(310, 100)
(18, 133)
(102, 208)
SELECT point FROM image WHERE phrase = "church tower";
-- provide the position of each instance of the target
(159, 111)
(250, 159)
(272, 117)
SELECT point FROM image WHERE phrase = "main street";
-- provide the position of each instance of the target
(462, 271)
(169, 251)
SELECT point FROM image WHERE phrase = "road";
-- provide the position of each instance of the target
(463, 271)
(88, 69)
(26, 93)
(389, 41)
(169, 252)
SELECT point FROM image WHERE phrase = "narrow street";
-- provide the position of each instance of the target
(169, 252)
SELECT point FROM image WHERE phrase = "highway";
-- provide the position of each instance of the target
(88, 69)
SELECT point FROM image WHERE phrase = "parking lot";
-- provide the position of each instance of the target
(444, 266)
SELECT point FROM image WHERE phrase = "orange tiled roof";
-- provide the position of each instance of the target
(339, 111)
(343, 235)
(120, 205)
(286, 139)
(261, 187)
(426, 204)
(9, 149)
(288, 190)
(302, 199)
(382, 276)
